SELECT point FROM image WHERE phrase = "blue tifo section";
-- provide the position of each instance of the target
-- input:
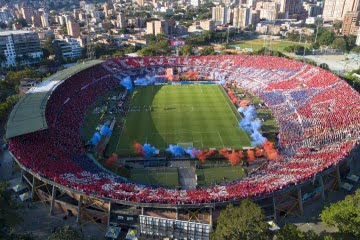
(191, 82)
(273, 98)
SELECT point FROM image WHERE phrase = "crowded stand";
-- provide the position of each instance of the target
(313, 108)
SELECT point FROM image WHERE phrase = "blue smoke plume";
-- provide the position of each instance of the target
(126, 82)
(218, 77)
(105, 130)
(251, 125)
(149, 150)
(145, 81)
(175, 150)
(192, 151)
(95, 138)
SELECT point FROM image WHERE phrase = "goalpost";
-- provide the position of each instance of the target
(186, 144)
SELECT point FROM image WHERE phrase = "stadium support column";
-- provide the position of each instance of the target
(274, 206)
(210, 217)
(177, 214)
(22, 172)
(142, 210)
(338, 177)
(53, 198)
(109, 216)
(79, 209)
(33, 190)
(321, 181)
(301, 208)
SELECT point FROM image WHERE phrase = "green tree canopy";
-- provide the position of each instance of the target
(350, 42)
(345, 215)
(207, 51)
(290, 232)
(185, 50)
(246, 221)
(160, 48)
(339, 44)
(356, 49)
(337, 25)
(327, 38)
(66, 233)
(324, 66)
(14, 77)
(8, 216)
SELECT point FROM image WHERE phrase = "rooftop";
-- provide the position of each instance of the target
(28, 115)
(7, 33)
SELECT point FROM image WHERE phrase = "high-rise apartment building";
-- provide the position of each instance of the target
(19, 44)
(207, 25)
(220, 15)
(73, 29)
(140, 2)
(287, 8)
(336, 9)
(241, 17)
(27, 13)
(157, 27)
(268, 10)
(121, 20)
(351, 24)
(45, 20)
(67, 49)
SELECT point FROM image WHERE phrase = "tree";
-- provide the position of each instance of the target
(315, 45)
(100, 49)
(337, 25)
(345, 215)
(350, 42)
(22, 22)
(66, 233)
(327, 38)
(356, 49)
(185, 50)
(290, 232)
(8, 216)
(324, 66)
(339, 44)
(48, 44)
(64, 29)
(294, 36)
(14, 77)
(160, 48)
(207, 51)
(246, 221)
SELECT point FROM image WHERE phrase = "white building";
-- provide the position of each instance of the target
(358, 38)
(20, 47)
(45, 20)
(195, 3)
(220, 15)
(4, 16)
(68, 48)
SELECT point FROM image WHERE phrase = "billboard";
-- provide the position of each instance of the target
(175, 43)
(171, 228)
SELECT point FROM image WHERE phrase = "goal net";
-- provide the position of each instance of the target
(185, 144)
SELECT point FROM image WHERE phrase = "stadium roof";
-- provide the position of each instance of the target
(28, 115)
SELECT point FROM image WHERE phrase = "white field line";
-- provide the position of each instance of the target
(227, 103)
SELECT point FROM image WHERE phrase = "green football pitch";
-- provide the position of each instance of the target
(201, 116)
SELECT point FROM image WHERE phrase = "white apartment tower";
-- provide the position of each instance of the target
(336, 9)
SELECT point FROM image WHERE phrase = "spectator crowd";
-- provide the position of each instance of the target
(314, 109)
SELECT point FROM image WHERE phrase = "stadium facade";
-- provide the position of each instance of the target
(317, 113)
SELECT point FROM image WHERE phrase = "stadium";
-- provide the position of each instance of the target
(51, 136)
